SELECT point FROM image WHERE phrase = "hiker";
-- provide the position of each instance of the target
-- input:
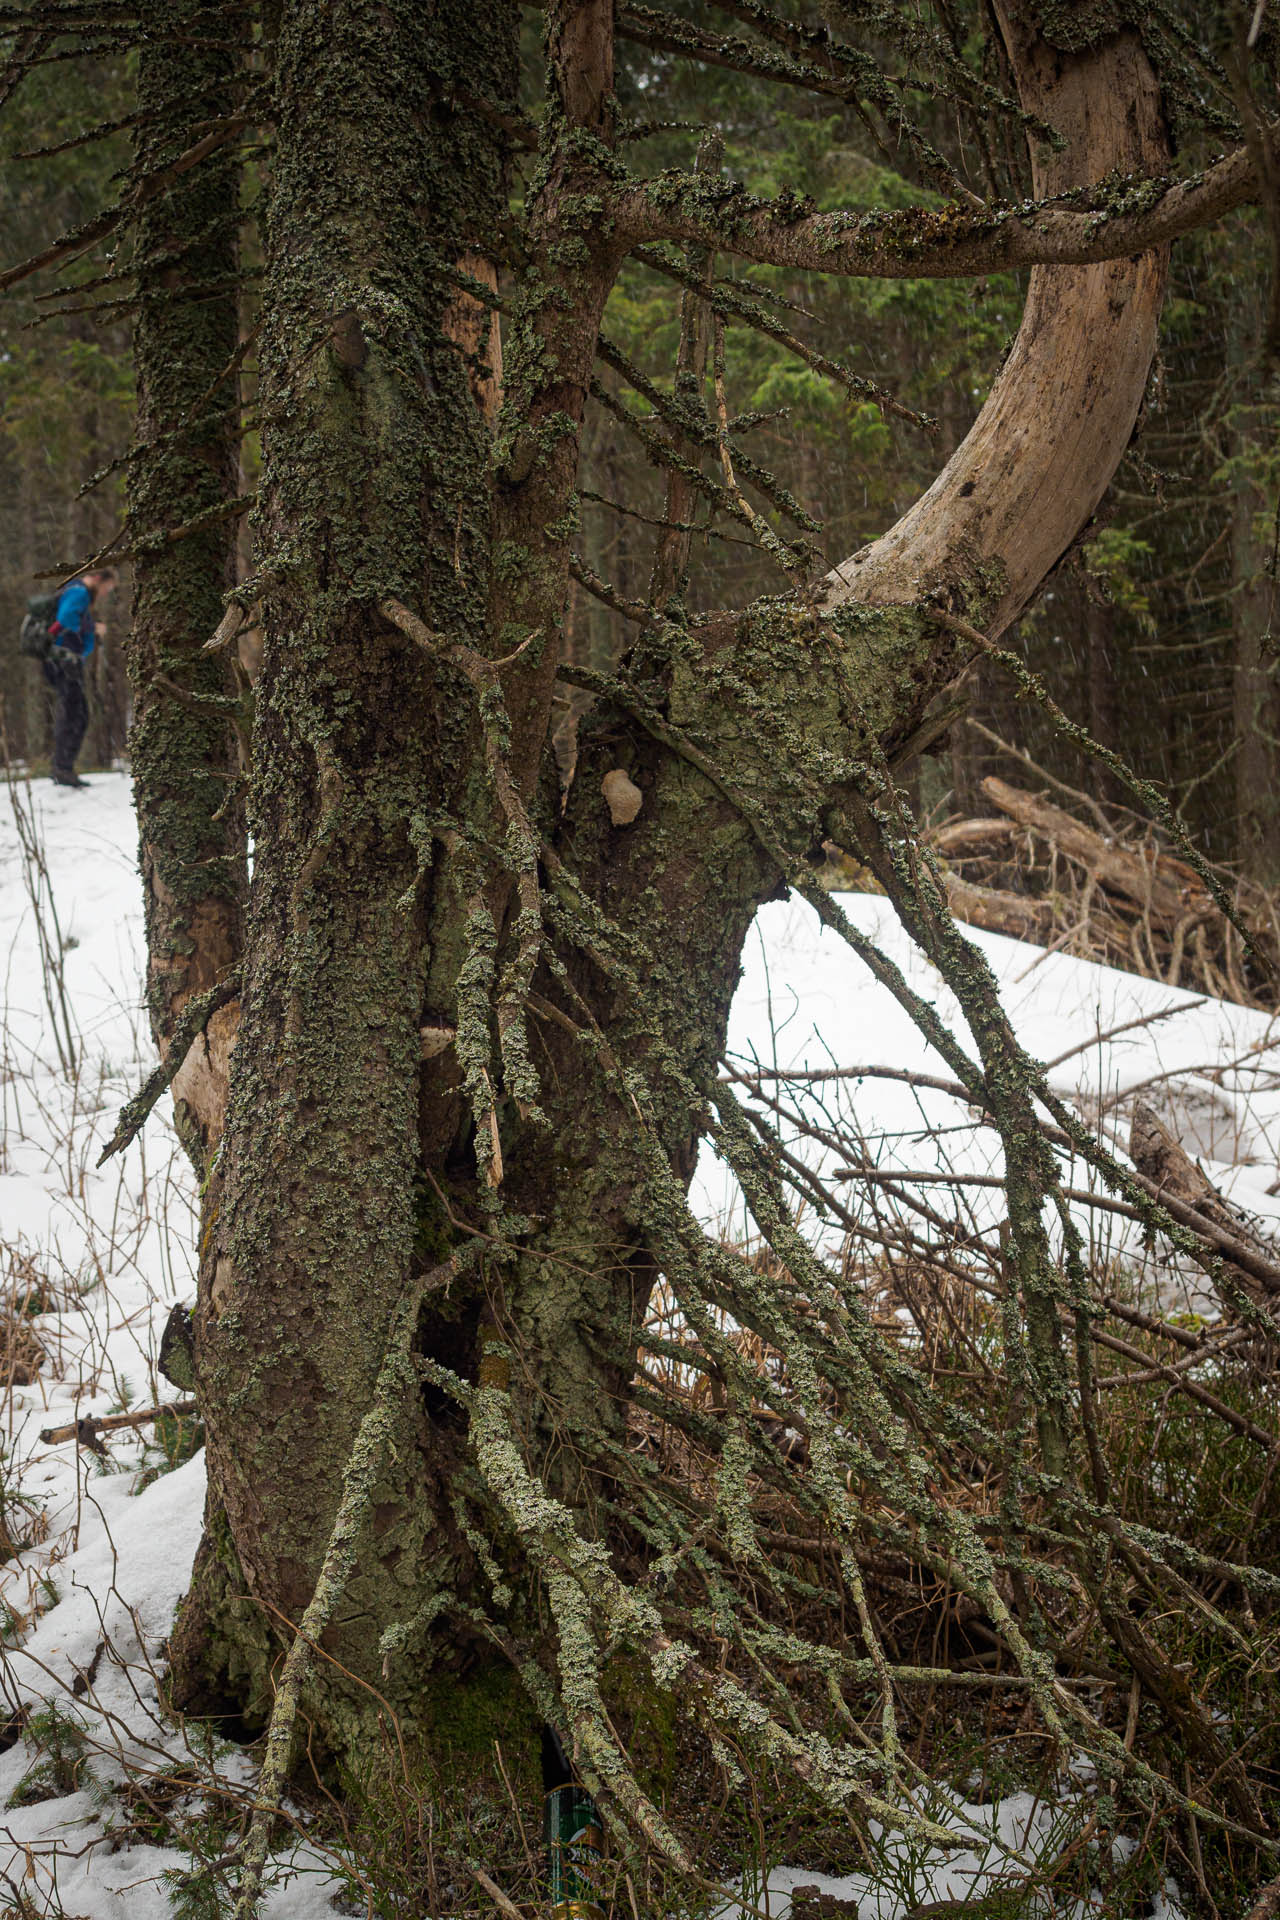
(73, 632)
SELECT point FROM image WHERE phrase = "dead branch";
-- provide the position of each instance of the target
(1034, 871)
(85, 1432)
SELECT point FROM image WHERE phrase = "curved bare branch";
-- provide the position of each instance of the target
(1046, 444)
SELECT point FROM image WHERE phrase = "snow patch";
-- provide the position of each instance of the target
(115, 1247)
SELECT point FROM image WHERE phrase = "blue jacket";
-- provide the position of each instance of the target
(73, 622)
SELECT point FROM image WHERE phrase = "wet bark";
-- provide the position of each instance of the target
(191, 818)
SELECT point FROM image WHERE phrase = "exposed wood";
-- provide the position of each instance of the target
(958, 838)
(1159, 882)
(1039, 873)
(86, 1431)
(1044, 447)
(474, 326)
(1016, 914)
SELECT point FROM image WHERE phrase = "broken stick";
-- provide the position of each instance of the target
(86, 1431)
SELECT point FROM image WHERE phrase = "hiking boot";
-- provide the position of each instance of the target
(67, 779)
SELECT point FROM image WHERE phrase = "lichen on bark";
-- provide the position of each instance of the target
(481, 1025)
(374, 483)
(182, 745)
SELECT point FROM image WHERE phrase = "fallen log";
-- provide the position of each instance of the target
(971, 839)
(1166, 888)
(1019, 915)
(1038, 873)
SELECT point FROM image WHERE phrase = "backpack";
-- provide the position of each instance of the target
(34, 637)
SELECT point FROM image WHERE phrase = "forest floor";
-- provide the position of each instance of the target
(107, 1810)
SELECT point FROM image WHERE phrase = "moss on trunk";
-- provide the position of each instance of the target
(374, 484)
(192, 845)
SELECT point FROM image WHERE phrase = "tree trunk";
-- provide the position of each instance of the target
(191, 818)
(478, 1033)
(374, 485)
(37, 715)
(1255, 696)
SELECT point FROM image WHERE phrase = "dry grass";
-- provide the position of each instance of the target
(24, 1294)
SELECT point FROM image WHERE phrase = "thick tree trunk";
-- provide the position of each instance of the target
(191, 818)
(398, 808)
(375, 470)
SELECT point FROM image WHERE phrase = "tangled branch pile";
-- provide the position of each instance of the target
(905, 1429)
(1106, 890)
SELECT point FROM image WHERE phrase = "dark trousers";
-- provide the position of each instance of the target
(65, 675)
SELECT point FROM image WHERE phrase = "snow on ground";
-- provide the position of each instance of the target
(84, 1611)
(911, 1875)
(89, 1600)
(807, 1005)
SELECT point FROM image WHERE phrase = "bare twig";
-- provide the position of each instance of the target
(86, 1431)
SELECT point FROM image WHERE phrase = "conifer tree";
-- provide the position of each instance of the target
(480, 981)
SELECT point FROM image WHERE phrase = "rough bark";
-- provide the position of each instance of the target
(381, 926)
(375, 456)
(575, 256)
(191, 821)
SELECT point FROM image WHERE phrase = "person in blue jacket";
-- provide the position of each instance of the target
(74, 633)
